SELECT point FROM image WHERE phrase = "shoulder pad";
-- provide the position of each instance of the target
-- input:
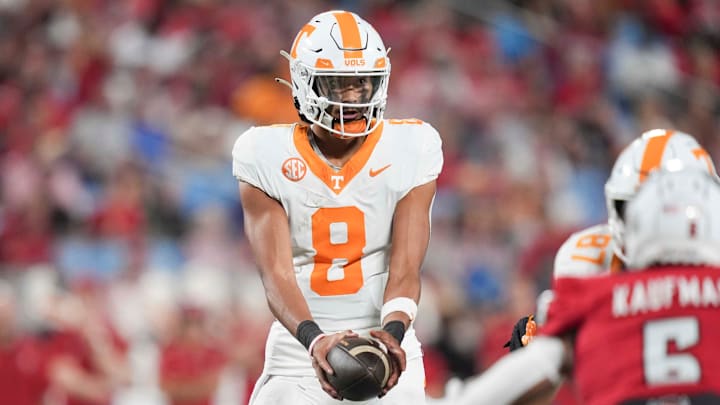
(585, 253)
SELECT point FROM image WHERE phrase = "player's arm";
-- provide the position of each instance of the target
(528, 376)
(268, 231)
(410, 236)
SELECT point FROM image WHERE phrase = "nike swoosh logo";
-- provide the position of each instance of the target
(374, 173)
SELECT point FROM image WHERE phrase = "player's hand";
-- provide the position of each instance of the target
(396, 354)
(523, 333)
(320, 363)
(530, 331)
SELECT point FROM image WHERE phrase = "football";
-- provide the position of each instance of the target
(361, 366)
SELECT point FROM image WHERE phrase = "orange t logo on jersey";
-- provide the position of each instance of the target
(337, 182)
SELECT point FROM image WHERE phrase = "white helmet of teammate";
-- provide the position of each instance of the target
(655, 149)
(674, 219)
(334, 52)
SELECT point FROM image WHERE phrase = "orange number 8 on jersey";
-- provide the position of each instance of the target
(338, 237)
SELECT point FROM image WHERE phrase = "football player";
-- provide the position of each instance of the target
(600, 248)
(337, 211)
(643, 336)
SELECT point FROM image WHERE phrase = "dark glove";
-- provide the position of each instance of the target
(523, 332)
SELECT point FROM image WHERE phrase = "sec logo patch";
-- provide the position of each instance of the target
(294, 169)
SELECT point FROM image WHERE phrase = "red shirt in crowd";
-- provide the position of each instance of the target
(191, 362)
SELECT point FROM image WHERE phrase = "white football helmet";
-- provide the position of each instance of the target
(655, 149)
(335, 52)
(674, 219)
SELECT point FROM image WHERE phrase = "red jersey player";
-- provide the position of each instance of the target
(645, 336)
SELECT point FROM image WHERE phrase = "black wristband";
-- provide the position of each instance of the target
(307, 331)
(396, 329)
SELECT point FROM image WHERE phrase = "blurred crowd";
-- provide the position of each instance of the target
(125, 277)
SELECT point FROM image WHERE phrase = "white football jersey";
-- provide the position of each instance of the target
(340, 221)
(587, 253)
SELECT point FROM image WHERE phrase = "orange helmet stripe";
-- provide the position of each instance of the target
(653, 154)
(701, 153)
(350, 33)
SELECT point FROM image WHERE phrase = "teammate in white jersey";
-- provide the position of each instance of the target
(337, 211)
(600, 249)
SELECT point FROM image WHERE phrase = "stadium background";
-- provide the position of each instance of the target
(120, 226)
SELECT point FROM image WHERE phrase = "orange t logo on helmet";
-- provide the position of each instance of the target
(306, 30)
